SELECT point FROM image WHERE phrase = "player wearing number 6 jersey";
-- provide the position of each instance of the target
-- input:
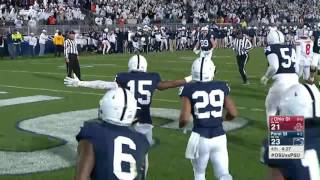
(108, 148)
(304, 49)
(299, 100)
(205, 100)
(282, 69)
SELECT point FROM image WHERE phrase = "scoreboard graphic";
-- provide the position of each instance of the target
(286, 137)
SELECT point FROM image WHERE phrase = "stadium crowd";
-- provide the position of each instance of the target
(109, 12)
(141, 39)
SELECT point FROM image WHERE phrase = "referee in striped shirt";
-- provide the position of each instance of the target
(71, 55)
(241, 45)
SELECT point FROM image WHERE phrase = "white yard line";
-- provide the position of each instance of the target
(25, 100)
(101, 94)
(50, 73)
(3, 92)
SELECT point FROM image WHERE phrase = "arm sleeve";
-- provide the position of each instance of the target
(248, 45)
(273, 65)
(226, 89)
(65, 49)
(298, 53)
(98, 84)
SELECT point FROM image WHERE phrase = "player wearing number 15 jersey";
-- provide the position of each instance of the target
(108, 148)
(205, 100)
(142, 84)
(299, 100)
(282, 69)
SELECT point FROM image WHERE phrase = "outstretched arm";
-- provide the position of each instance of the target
(172, 84)
(75, 82)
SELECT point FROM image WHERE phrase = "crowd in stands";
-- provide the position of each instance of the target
(110, 12)
(31, 13)
(143, 39)
(204, 11)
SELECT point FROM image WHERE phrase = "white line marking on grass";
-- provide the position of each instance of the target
(101, 94)
(50, 73)
(3, 92)
(27, 99)
(65, 126)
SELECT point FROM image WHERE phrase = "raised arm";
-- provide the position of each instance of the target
(163, 85)
(75, 82)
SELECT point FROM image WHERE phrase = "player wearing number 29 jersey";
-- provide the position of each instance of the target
(205, 100)
(299, 100)
(282, 69)
(108, 148)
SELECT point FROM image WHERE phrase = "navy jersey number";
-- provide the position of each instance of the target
(204, 43)
(208, 99)
(289, 59)
(144, 93)
(120, 157)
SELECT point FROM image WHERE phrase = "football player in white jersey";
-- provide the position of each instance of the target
(299, 100)
(282, 69)
(304, 50)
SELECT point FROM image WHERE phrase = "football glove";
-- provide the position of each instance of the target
(196, 51)
(264, 80)
(188, 79)
(72, 82)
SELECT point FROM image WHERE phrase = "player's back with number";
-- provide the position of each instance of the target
(282, 55)
(119, 151)
(207, 101)
(142, 85)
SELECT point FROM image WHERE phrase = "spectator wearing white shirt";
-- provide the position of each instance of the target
(109, 21)
(112, 39)
(32, 44)
(42, 42)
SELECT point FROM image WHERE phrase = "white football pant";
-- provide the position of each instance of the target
(145, 129)
(216, 150)
(304, 72)
(206, 54)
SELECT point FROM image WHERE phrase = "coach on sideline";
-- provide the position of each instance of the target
(71, 55)
(241, 45)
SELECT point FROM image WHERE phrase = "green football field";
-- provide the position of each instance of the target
(44, 76)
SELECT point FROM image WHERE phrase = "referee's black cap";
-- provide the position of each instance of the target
(72, 32)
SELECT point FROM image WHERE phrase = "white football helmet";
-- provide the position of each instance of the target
(298, 101)
(137, 63)
(202, 70)
(118, 106)
(275, 37)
